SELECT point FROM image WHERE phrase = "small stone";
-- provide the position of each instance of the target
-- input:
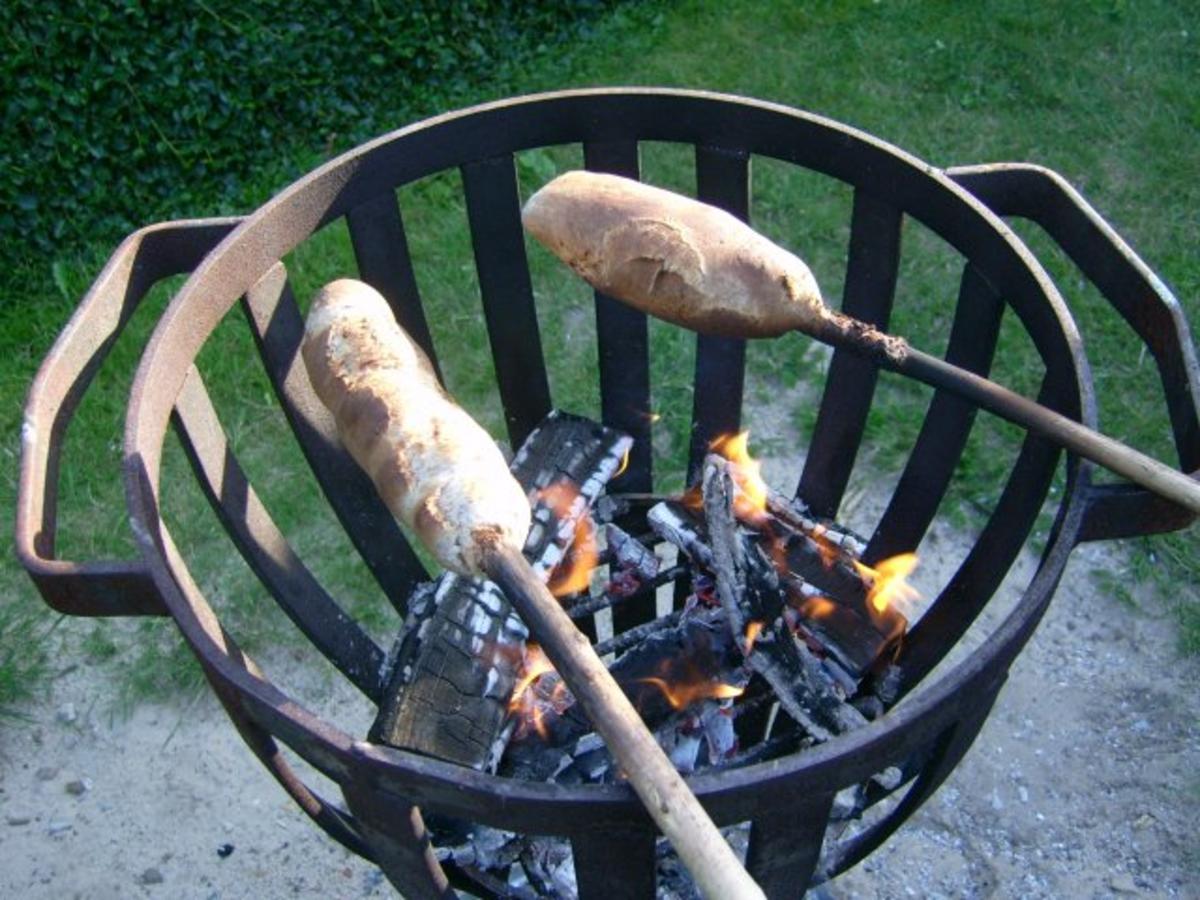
(1145, 820)
(66, 714)
(151, 876)
(1123, 884)
(79, 786)
(55, 828)
(18, 820)
(46, 773)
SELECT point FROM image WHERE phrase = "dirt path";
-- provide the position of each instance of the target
(1084, 783)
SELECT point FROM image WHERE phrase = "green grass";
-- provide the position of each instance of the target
(1102, 92)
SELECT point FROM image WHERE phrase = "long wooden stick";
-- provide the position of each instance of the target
(694, 265)
(441, 474)
(714, 867)
(897, 356)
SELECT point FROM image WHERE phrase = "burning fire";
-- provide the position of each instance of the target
(624, 465)
(753, 630)
(533, 698)
(683, 683)
(889, 585)
(684, 694)
(751, 502)
(573, 573)
(825, 547)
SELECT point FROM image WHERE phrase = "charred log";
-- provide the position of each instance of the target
(458, 655)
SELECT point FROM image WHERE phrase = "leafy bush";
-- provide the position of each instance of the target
(116, 113)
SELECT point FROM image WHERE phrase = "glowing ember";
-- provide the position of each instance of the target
(746, 471)
(684, 694)
(888, 581)
(573, 574)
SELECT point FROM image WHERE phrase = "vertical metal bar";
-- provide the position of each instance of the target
(278, 331)
(494, 213)
(989, 560)
(870, 287)
(622, 338)
(393, 829)
(948, 750)
(722, 179)
(947, 424)
(785, 845)
(334, 633)
(623, 342)
(615, 863)
(381, 250)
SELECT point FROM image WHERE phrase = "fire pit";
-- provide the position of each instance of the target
(793, 802)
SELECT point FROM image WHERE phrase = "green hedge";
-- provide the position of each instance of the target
(119, 113)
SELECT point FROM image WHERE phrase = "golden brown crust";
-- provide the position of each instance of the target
(435, 468)
(674, 257)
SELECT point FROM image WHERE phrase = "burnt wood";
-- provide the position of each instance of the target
(462, 648)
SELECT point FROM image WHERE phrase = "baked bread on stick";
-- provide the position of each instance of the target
(669, 255)
(437, 470)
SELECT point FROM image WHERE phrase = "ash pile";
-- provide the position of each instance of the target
(759, 632)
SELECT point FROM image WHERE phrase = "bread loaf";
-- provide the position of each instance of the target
(673, 257)
(437, 470)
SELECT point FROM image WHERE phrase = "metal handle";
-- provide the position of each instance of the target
(94, 588)
(1147, 305)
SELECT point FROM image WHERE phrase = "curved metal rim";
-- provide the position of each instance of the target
(245, 254)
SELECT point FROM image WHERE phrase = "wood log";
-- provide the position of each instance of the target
(437, 470)
(461, 650)
(746, 590)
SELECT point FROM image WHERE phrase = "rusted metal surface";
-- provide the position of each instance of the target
(388, 789)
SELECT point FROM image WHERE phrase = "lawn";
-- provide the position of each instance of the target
(1102, 92)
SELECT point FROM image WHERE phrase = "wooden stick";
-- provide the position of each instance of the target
(898, 356)
(440, 473)
(699, 267)
(708, 857)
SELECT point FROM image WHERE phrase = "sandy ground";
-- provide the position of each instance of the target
(1084, 783)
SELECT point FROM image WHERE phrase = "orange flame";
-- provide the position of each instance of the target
(816, 607)
(526, 705)
(624, 464)
(888, 581)
(574, 572)
(825, 547)
(683, 695)
(753, 630)
(746, 472)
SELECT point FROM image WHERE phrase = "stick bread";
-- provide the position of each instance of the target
(437, 470)
(673, 257)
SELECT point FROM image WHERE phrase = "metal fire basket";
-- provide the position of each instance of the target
(787, 801)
